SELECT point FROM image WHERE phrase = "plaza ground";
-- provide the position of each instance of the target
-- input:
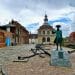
(35, 66)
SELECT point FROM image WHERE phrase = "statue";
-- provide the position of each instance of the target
(59, 57)
(58, 38)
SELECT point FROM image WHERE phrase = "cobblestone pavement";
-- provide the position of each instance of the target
(35, 66)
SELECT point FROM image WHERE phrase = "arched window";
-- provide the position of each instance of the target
(43, 39)
(48, 39)
(43, 32)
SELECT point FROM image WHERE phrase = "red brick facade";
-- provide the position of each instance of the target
(19, 33)
(72, 37)
(3, 35)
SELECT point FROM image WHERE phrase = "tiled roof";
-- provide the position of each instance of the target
(46, 27)
(17, 23)
(46, 24)
(14, 24)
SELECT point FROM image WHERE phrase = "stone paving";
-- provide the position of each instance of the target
(35, 66)
(11, 53)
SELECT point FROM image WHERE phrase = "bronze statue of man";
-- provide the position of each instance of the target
(58, 38)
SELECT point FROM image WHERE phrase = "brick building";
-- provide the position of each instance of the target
(19, 33)
(72, 38)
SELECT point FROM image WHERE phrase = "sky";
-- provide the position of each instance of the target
(30, 13)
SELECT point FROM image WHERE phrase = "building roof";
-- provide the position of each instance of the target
(14, 24)
(33, 35)
(7, 25)
(45, 19)
(45, 24)
(17, 23)
(45, 27)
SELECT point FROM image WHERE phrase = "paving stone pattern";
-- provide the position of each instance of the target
(35, 66)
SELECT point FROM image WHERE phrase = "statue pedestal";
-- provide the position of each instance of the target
(60, 58)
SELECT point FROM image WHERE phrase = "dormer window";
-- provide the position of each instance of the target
(43, 39)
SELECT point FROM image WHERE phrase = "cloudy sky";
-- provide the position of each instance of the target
(30, 13)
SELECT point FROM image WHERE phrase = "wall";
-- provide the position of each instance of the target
(50, 35)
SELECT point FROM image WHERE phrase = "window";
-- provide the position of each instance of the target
(16, 31)
(43, 32)
(43, 39)
(48, 39)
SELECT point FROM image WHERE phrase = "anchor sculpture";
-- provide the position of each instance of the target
(35, 51)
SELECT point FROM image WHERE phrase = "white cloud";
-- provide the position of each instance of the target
(64, 27)
(5, 15)
(32, 11)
